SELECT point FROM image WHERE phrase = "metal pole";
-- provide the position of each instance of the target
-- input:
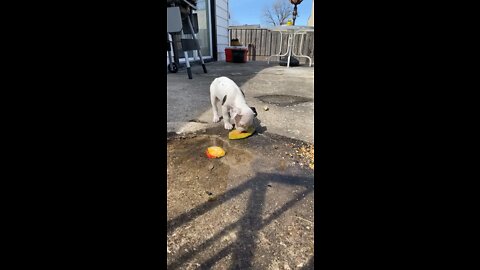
(294, 13)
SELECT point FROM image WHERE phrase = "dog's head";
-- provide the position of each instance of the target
(244, 117)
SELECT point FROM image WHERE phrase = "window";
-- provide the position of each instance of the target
(204, 27)
(204, 34)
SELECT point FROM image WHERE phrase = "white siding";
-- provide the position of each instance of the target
(310, 19)
(223, 4)
(222, 40)
(221, 11)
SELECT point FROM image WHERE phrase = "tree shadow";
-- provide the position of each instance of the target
(309, 265)
(249, 225)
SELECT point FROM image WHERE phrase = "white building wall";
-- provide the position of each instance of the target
(310, 21)
(221, 11)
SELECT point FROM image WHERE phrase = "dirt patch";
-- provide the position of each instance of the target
(240, 211)
(189, 167)
(303, 153)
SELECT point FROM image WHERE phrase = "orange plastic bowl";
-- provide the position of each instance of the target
(215, 152)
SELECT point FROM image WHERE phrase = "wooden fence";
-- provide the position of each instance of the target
(267, 43)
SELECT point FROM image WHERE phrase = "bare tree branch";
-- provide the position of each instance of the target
(278, 13)
(268, 16)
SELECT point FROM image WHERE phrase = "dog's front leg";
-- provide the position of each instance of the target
(226, 118)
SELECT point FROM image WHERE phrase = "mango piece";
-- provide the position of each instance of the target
(215, 152)
(236, 134)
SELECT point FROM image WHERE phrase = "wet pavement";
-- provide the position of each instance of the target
(251, 209)
(284, 100)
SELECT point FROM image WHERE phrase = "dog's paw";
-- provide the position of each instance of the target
(228, 126)
(216, 119)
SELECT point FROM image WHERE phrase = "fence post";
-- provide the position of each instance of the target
(252, 53)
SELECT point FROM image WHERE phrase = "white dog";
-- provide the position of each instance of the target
(234, 108)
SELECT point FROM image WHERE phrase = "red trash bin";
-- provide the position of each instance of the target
(237, 54)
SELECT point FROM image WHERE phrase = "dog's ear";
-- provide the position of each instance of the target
(254, 111)
(236, 114)
(237, 118)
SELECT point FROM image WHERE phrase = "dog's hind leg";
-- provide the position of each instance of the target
(214, 101)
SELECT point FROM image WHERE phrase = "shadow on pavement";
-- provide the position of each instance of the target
(242, 250)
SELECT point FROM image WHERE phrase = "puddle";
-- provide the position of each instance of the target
(194, 178)
(283, 100)
(197, 121)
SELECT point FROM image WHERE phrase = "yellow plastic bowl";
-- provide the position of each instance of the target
(236, 134)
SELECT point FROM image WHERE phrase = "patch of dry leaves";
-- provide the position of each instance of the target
(304, 152)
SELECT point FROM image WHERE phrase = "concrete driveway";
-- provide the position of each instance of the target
(252, 208)
(287, 92)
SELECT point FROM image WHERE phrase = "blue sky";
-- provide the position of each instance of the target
(250, 11)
